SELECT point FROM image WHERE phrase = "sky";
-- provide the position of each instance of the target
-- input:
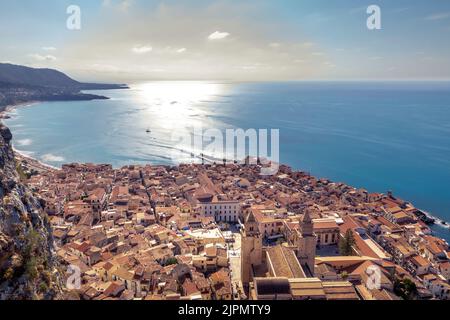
(239, 40)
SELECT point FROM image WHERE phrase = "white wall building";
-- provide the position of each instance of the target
(222, 211)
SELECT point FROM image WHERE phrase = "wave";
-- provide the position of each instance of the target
(437, 221)
(24, 142)
(52, 158)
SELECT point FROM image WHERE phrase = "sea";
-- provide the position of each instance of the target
(380, 136)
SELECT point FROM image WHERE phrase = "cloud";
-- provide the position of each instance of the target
(122, 5)
(52, 158)
(48, 48)
(438, 16)
(142, 49)
(218, 35)
(40, 57)
(163, 37)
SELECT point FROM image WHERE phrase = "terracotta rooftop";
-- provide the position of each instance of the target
(284, 263)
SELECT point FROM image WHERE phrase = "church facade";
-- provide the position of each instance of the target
(300, 246)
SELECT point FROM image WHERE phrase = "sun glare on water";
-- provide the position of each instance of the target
(176, 103)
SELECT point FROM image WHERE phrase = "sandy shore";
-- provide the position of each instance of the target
(32, 163)
(4, 110)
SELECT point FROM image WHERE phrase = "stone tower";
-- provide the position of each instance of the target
(251, 248)
(306, 246)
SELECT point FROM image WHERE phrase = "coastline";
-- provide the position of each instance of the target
(10, 107)
(40, 166)
(438, 221)
(33, 163)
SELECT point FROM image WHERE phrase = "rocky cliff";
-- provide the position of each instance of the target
(28, 266)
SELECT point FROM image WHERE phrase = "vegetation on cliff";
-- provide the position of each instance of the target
(28, 267)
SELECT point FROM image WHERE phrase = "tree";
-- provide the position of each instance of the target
(30, 254)
(171, 261)
(405, 288)
(346, 243)
(344, 275)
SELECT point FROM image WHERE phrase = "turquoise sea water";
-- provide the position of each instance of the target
(376, 135)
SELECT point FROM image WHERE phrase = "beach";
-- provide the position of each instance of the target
(8, 108)
(32, 163)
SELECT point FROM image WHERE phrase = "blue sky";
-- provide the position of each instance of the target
(257, 40)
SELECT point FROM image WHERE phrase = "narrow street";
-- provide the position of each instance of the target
(234, 254)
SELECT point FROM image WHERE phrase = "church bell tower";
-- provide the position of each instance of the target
(306, 246)
(251, 248)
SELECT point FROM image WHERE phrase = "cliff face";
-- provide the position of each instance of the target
(28, 267)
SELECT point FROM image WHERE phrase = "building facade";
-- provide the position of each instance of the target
(221, 211)
(251, 248)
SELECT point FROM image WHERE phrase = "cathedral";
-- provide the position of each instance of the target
(293, 259)
(251, 249)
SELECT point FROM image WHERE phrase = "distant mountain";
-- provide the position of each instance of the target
(20, 84)
(48, 78)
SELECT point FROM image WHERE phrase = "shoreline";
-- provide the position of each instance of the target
(438, 221)
(44, 167)
(10, 107)
(33, 162)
